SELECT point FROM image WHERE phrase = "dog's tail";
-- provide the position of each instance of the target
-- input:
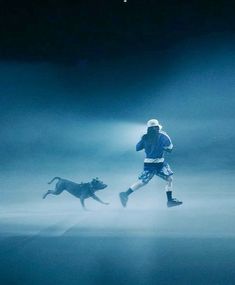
(54, 179)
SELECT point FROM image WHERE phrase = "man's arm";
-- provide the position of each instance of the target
(168, 149)
(167, 144)
(140, 145)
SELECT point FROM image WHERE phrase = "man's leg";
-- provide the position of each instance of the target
(171, 202)
(124, 195)
(167, 174)
(169, 183)
(144, 178)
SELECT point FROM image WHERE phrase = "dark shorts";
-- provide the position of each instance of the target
(162, 170)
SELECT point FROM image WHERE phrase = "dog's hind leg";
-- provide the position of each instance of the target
(47, 193)
(53, 192)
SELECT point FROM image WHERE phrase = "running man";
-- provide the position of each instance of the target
(155, 142)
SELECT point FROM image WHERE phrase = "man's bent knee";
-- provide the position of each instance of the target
(170, 179)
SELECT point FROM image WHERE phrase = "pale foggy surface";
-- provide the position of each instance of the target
(204, 214)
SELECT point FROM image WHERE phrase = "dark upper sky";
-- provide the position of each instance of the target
(60, 54)
(80, 31)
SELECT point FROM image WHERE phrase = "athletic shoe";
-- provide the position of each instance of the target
(123, 198)
(173, 203)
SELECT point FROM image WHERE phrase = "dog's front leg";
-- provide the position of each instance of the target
(99, 200)
(82, 200)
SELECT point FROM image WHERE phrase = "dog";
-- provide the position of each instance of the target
(81, 191)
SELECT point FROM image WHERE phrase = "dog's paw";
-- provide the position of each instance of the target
(85, 209)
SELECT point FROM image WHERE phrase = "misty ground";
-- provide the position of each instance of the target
(54, 241)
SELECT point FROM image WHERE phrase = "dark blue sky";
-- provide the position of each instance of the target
(110, 47)
(76, 32)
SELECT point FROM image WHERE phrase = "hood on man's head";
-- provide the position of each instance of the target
(154, 123)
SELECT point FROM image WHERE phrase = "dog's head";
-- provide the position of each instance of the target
(98, 184)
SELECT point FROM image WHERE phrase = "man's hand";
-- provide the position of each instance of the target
(168, 149)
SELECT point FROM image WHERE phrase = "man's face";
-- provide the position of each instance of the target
(155, 128)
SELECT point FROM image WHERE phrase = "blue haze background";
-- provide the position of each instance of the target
(74, 102)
